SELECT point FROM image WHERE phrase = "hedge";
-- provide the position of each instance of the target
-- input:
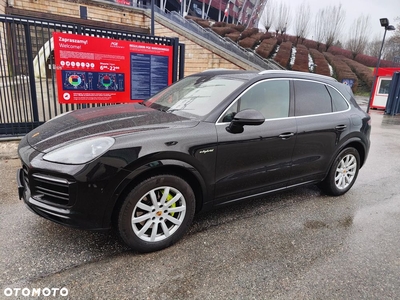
(341, 69)
(266, 47)
(321, 65)
(283, 55)
(301, 59)
(362, 72)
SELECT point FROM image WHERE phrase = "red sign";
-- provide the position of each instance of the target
(101, 70)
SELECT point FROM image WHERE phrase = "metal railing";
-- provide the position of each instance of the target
(207, 35)
(28, 87)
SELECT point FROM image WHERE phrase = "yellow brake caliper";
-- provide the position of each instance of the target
(169, 198)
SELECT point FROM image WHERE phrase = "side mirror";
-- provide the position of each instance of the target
(245, 117)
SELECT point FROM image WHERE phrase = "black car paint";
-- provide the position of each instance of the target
(106, 177)
(222, 167)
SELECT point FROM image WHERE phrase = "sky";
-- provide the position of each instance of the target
(354, 8)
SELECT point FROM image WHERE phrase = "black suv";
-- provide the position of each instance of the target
(211, 138)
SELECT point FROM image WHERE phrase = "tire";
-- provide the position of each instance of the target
(156, 213)
(343, 173)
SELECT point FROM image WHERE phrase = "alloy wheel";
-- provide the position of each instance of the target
(158, 214)
(345, 171)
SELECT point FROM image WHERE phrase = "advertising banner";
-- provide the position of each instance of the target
(100, 70)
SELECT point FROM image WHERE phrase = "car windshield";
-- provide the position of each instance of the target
(194, 96)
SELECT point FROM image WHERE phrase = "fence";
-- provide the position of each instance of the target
(28, 88)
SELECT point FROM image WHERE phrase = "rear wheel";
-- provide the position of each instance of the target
(343, 173)
(156, 213)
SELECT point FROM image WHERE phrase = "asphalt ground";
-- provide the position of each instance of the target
(299, 244)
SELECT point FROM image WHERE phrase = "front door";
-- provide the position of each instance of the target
(258, 159)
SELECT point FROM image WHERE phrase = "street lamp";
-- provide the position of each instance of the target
(384, 23)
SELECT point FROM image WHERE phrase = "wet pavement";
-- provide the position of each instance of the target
(299, 244)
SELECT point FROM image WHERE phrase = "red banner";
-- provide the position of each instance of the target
(101, 70)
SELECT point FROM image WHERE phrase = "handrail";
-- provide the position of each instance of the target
(209, 36)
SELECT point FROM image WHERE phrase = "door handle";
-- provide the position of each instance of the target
(286, 135)
(341, 127)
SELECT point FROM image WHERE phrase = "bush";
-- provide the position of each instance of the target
(266, 47)
(219, 24)
(248, 42)
(234, 36)
(222, 31)
(301, 59)
(321, 65)
(339, 51)
(283, 55)
(362, 72)
(257, 36)
(266, 35)
(239, 28)
(249, 32)
(341, 69)
(310, 44)
(290, 38)
(371, 61)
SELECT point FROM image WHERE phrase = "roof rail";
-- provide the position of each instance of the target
(297, 73)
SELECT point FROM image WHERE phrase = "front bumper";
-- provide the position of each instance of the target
(63, 199)
(59, 215)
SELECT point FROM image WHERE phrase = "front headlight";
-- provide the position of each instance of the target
(80, 152)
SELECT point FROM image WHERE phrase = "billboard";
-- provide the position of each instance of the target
(100, 70)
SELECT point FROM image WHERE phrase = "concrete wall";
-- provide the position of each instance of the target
(199, 56)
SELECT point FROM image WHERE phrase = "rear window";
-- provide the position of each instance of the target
(338, 102)
(311, 98)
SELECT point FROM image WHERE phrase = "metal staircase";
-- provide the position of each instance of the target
(207, 35)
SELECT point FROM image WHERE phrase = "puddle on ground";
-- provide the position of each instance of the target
(391, 120)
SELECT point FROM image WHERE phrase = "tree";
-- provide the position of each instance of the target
(396, 35)
(391, 48)
(319, 32)
(333, 24)
(268, 16)
(328, 24)
(374, 46)
(302, 22)
(358, 35)
(282, 18)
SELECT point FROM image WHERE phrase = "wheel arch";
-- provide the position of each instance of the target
(360, 149)
(170, 167)
(351, 143)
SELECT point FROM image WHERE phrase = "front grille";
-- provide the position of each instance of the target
(50, 189)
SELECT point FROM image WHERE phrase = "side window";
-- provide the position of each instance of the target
(311, 98)
(231, 112)
(270, 97)
(338, 102)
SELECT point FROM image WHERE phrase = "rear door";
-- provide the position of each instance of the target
(322, 122)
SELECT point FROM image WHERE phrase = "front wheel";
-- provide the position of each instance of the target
(343, 173)
(156, 213)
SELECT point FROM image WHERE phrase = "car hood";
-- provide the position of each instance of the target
(106, 121)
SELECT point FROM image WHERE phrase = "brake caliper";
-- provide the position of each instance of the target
(169, 198)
